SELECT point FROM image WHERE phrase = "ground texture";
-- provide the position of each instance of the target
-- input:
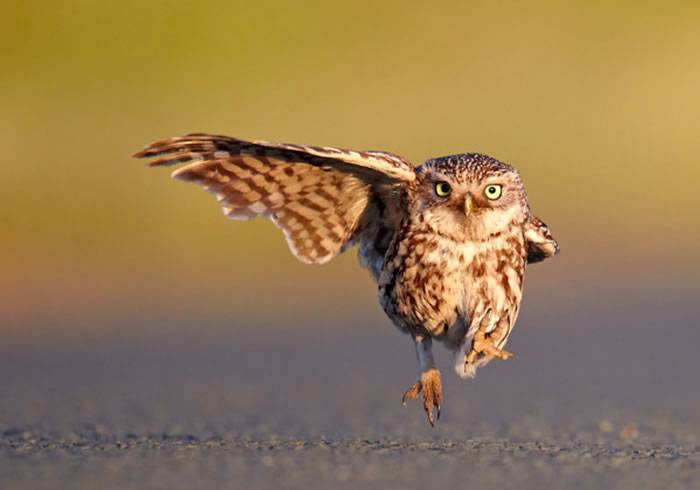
(581, 407)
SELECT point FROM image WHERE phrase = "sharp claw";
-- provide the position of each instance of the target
(487, 349)
(430, 387)
(411, 393)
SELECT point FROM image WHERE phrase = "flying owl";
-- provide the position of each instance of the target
(447, 242)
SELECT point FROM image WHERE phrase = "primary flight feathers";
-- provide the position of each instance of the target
(321, 197)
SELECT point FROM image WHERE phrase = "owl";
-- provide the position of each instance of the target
(447, 242)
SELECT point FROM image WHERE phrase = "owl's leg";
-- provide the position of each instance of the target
(429, 383)
(486, 343)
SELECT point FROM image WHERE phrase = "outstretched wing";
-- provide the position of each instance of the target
(324, 199)
(540, 242)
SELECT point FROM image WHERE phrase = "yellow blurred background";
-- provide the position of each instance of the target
(597, 103)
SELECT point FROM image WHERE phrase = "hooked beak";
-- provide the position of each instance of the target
(468, 205)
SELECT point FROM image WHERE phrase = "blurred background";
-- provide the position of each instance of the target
(596, 103)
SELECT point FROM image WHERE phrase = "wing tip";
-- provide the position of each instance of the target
(186, 173)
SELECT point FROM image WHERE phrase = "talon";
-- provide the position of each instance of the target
(412, 392)
(503, 354)
(485, 346)
(471, 357)
(431, 388)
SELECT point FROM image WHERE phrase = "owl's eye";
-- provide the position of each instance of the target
(442, 189)
(493, 191)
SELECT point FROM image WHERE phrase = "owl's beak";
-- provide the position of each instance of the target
(468, 205)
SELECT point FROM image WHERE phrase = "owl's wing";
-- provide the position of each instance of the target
(540, 242)
(324, 199)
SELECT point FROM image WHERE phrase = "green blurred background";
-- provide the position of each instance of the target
(596, 103)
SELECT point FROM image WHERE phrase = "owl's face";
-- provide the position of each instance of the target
(470, 196)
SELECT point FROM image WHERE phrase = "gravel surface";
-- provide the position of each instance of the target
(321, 408)
(163, 461)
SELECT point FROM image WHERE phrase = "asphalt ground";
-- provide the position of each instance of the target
(583, 406)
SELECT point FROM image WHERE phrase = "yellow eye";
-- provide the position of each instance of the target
(493, 191)
(442, 189)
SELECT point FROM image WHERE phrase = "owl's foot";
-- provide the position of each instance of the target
(485, 346)
(431, 388)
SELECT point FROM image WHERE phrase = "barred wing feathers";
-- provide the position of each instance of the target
(324, 199)
(540, 242)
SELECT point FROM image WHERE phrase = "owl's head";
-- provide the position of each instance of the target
(469, 196)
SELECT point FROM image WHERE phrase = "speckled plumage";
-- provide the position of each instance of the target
(447, 253)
